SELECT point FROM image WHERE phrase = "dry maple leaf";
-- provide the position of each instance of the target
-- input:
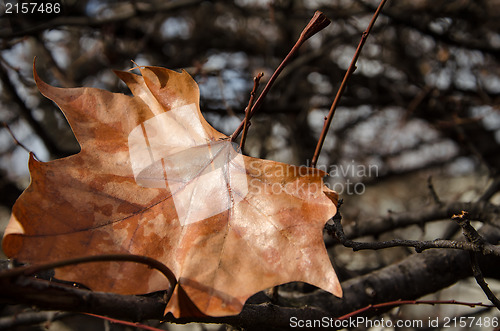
(153, 178)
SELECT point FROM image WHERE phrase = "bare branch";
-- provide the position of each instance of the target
(31, 318)
(474, 237)
(152, 263)
(317, 23)
(246, 124)
(336, 229)
(483, 211)
(478, 275)
(412, 274)
(405, 280)
(16, 141)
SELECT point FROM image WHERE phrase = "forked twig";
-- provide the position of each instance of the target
(317, 23)
(246, 122)
(336, 230)
(350, 71)
(474, 237)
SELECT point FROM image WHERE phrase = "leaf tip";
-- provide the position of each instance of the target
(12, 242)
(332, 195)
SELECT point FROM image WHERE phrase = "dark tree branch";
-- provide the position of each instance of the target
(468, 230)
(478, 275)
(54, 296)
(413, 277)
(492, 189)
(474, 237)
(97, 22)
(31, 318)
(483, 211)
(411, 274)
(475, 245)
(409, 21)
(406, 280)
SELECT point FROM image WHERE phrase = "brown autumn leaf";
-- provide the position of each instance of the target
(153, 178)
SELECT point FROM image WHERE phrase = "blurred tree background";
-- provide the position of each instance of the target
(423, 102)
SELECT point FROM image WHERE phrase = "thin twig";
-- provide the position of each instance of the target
(256, 81)
(16, 141)
(413, 302)
(433, 191)
(317, 23)
(30, 270)
(132, 324)
(26, 113)
(350, 71)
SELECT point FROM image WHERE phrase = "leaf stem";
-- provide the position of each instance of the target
(317, 23)
(350, 71)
